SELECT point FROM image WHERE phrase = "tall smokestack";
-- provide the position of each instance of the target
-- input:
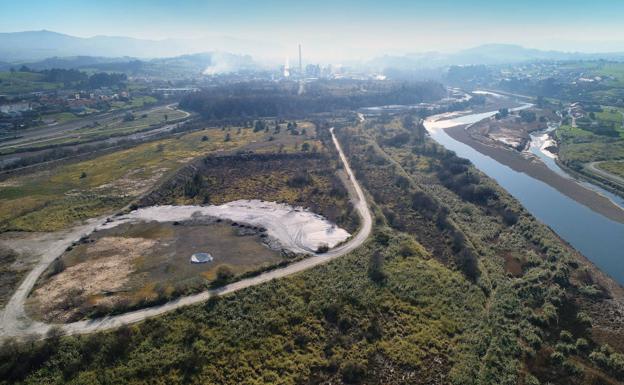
(300, 63)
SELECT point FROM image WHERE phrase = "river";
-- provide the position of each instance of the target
(541, 139)
(599, 238)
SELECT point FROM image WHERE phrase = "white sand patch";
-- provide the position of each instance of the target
(548, 143)
(542, 142)
(452, 119)
(509, 141)
(488, 93)
(296, 229)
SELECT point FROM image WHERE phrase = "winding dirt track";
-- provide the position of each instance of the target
(593, 167)
(16, 324)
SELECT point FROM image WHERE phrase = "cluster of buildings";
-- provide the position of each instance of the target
(57, 101)
(576, 110)
(21, 111)
(172, 92)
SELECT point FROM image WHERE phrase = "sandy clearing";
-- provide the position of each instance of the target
(92, 277)
(295, 228)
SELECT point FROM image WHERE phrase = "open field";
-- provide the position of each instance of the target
(135, 102)
(53, 199)
(615, 70)
(131, 264)
(16, 322)
(612, 167)
(23, 82)
(57, 198)
(580, 145)
(134, 265)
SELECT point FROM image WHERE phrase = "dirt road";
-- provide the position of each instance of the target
(15, 322)
(593, 167)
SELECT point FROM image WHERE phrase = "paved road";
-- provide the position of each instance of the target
(15, 322)
(605, 174)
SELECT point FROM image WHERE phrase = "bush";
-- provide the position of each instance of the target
(57, 267)
(581, 345)
(353, 372)
(557, 358)
(375, 268)
(591, 291)
(565, 336)
(224, 275)
(510, 218)
(301, 179)
(322, 248)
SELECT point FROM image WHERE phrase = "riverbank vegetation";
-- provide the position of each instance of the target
(512, 250)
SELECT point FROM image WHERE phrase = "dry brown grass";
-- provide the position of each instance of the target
(91, 281)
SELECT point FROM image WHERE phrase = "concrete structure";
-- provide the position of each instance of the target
(201, 258)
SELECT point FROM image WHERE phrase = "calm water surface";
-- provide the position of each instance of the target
(600, 239)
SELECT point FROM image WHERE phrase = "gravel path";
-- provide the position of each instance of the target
(15, 322)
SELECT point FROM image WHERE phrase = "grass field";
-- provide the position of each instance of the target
(610, 114)
(62, 117)
(135, 102)
(603, 69)
(23, 82)
(580, 145)
(613, 167)
(616, 70)
(54, 199)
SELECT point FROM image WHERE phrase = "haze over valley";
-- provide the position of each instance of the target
(311, 193)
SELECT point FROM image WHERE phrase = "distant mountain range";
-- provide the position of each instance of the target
(40, 50)
(490, 54)
(46, 49)
(39, 45)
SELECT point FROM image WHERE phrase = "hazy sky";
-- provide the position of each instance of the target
(333, 28)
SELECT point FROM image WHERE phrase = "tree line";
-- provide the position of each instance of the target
(229, 102)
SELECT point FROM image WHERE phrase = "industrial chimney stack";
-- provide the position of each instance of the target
(300, 62)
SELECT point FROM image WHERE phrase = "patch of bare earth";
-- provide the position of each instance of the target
(92, 282)
(134, 182)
